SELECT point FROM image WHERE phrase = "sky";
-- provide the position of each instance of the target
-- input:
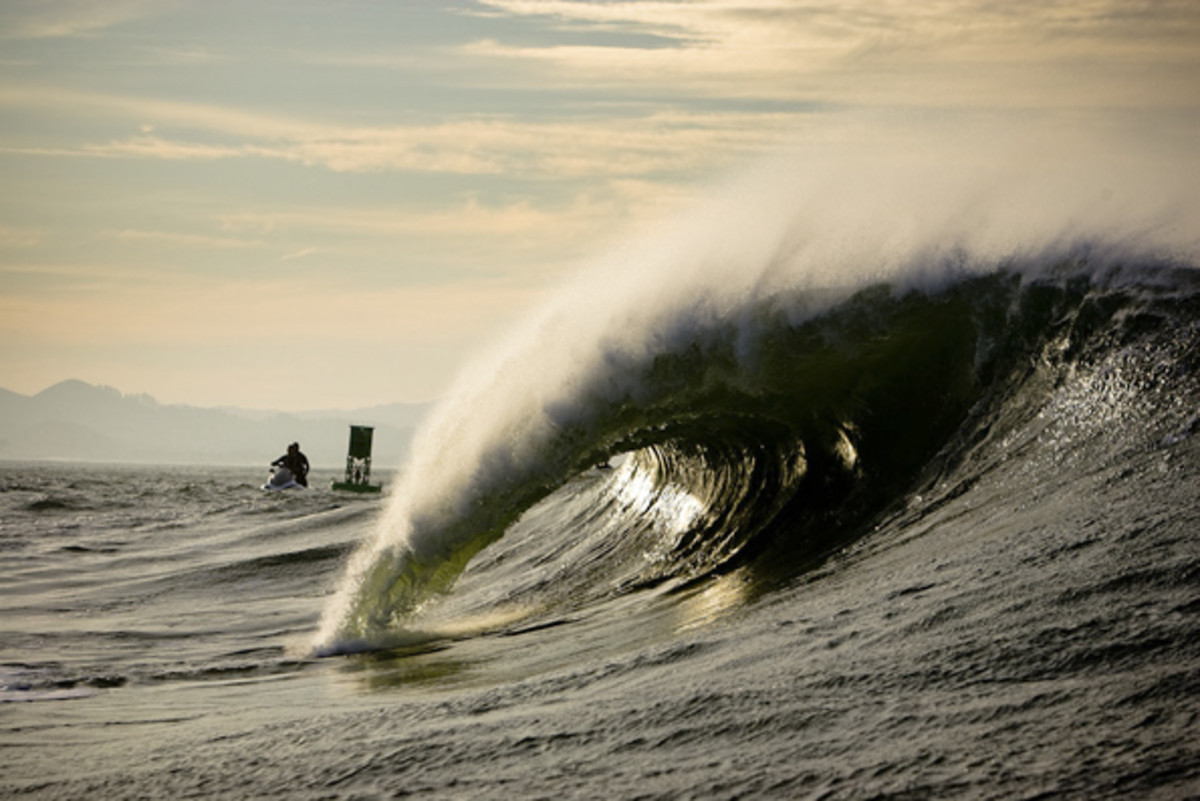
(304, 204)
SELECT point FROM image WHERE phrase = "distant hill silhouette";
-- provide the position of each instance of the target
(77, 421)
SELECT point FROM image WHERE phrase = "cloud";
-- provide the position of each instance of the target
(183, 240)
(855, 51)
(522, 223)
(471, 218)
(823, 54)
(44, 19)
(573, 147)
(150, 146)
(299, 254)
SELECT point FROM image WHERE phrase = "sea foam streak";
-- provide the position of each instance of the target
(790, 240)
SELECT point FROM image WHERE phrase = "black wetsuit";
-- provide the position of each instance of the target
(297, 463)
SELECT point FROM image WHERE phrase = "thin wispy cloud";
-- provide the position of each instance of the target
(158, 148)
(45, 19)
(299, 254)
(185, 240)
(467, 219)
(139, 111)
(658, 141)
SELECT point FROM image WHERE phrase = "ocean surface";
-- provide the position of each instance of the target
(927, 543)
(874, 476)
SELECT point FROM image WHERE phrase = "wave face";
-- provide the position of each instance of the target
(770, 390)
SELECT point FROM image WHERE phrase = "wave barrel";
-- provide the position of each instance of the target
(358, 462)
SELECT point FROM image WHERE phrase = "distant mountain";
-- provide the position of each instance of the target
(77, 421)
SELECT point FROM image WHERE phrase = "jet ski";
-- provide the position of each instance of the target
(281, 478)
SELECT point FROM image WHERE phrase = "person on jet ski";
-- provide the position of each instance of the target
(295, 461)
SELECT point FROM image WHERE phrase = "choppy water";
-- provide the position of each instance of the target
(990, 591)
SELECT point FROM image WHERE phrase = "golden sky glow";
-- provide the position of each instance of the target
(306, 204)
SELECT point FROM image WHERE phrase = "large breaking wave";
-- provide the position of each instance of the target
(783, 368)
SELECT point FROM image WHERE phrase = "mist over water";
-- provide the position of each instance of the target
(790, 239)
